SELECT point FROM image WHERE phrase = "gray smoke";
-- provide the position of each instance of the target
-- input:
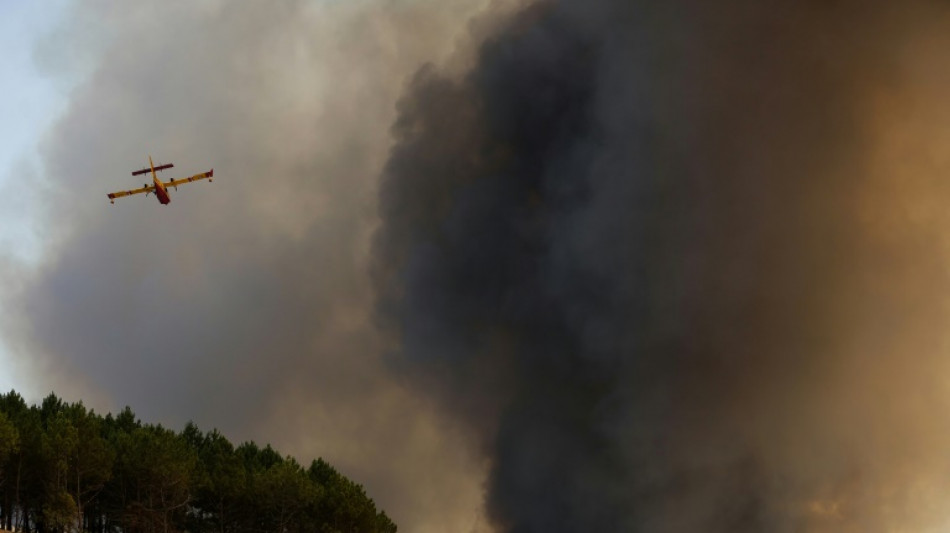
(680, 266)
(245, 304)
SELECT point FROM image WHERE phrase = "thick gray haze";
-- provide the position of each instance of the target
(245, 304)
(607, 265)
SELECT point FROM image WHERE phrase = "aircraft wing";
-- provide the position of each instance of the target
(120, 194)
(204, 175)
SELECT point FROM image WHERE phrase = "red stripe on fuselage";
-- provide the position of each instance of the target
(162, 196)
(161, 193)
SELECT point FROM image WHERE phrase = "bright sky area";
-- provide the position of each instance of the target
(30, 102)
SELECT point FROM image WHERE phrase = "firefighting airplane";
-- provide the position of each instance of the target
(160, 189)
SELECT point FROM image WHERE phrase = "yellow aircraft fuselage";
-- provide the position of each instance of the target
(158, 187)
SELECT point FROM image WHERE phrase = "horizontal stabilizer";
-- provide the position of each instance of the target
(147, 170)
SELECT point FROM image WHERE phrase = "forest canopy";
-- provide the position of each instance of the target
(64, 468)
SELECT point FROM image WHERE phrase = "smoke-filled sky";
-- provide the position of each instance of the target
(245, 304)
(513, 266)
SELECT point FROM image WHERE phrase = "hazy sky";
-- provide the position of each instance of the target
(244, 304)
(601, 265)
(31, 101)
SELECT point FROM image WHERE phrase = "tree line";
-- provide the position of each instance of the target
(65, 469)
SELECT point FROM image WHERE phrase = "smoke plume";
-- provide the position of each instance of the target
(681, 266)
(243, 305)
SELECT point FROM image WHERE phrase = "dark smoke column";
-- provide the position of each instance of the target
(621, 247)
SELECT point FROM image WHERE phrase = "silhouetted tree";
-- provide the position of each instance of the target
(64, 468)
